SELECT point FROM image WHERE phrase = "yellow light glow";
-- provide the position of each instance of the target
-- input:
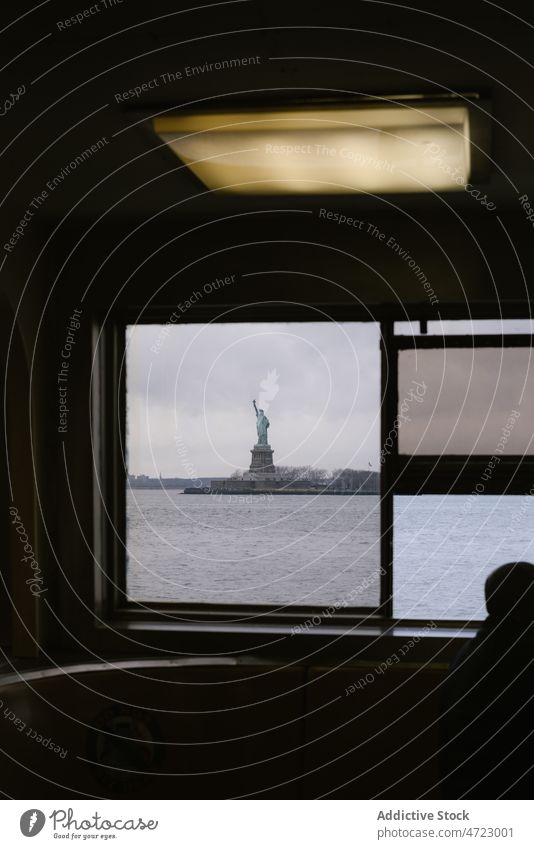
(410, 148)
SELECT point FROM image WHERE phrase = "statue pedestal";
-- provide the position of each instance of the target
(261, 464)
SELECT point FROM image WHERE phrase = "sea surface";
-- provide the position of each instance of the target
(322, 550)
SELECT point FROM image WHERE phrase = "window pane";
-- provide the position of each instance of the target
(466, 328)
(269, 529)
(466, 400)
(406, 328)
(446, 545)
(491, 326)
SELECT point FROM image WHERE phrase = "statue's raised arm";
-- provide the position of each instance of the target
(256, 409)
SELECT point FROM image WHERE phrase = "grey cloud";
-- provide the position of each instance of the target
(201, 383)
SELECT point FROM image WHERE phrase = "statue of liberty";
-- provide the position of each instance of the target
(262, 423)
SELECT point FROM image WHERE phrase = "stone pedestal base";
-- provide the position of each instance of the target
(261, 464)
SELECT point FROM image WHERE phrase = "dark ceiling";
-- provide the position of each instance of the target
(72, 76)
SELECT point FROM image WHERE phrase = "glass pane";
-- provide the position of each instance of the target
(466, 400)
(467, 328)
(229, 504)
(500, 326)
(446, 545)
(406, 328)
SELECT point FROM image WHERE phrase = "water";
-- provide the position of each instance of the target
(322, 550)
(282, 549)
(446, 545)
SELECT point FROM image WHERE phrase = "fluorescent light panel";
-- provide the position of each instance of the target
(410, 148)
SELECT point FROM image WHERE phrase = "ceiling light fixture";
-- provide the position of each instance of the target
(380, 147)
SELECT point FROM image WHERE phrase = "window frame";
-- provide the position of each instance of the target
(399, 475)
(456, 474)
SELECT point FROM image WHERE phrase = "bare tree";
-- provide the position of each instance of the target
(302, 473)
(356, 480)
(317, 475)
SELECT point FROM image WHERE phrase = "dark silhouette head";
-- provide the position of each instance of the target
(509, 592)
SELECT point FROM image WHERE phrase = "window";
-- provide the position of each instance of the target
(445, 546)
(458, 400)
(474, 326)
(462, 467)
(206, 525)
(384, 481)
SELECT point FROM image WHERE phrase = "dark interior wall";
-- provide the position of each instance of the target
(27, 474)
(5, 529)
(303, 257)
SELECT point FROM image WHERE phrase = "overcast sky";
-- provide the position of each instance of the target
(190, 407)
(190, 395)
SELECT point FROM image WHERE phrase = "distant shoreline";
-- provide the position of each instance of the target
(144, 482)
(370, 485)
(280, 491)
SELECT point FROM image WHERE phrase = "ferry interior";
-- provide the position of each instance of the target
(383, 174)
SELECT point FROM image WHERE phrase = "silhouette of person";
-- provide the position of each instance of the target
(487, 721)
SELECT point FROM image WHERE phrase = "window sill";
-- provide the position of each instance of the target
(375, 640)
